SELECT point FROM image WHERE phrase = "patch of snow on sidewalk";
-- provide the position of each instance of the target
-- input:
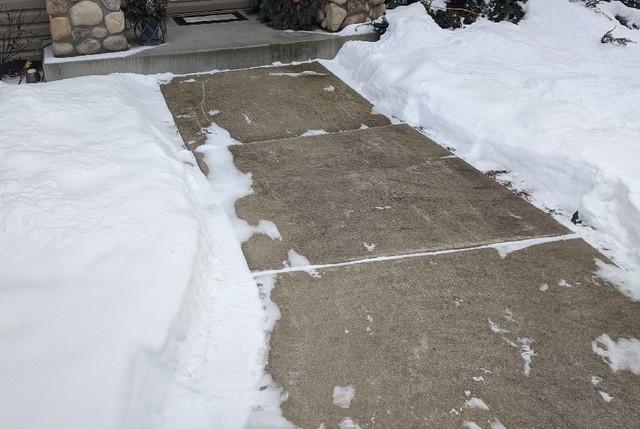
(620, 355)
(544, 100)
(343, 395)
(126, 300)
(476, 403)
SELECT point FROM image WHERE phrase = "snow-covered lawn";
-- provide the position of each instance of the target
(125, 300)
(543, 100)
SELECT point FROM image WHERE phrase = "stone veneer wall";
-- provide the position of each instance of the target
(334, 15)
(86, 27)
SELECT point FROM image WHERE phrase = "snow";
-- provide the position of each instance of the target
(313, 133)
(621, 355)
(605, 396)
(230, 184)
(50, 58)
(301, 263)
(543, 100)
(476, 403)
(121, 274)
(471, 425)
(348, 423)
(343, 395)
(527, 354)
(497, 329)
(300, 74)
(496, 424)
(564, 284)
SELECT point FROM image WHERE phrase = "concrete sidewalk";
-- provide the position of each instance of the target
(416, 302)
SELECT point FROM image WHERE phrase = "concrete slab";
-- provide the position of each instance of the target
(206, 47)
(333, 197)
(268, 103)
(410, 335)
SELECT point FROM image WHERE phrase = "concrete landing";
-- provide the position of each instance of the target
(206, 47)
(411, 335)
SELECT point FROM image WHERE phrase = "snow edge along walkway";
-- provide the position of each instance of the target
(127, 300)
(543, 100)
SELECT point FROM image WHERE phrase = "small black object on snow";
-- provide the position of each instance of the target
(576, 218)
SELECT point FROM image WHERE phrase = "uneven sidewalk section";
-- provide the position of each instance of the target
(439, 340)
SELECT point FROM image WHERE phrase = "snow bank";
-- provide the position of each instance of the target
(126, 301)
(544, 100)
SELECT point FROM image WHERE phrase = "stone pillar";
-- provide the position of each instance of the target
(81, 27)
(334, 15)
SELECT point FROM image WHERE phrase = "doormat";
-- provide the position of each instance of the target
(210, 18)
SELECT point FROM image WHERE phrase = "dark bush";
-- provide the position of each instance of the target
(464, 12)
(289, 14)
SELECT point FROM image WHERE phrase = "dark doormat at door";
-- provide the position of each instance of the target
(209, 18)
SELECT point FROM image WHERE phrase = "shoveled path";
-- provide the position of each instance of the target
(420, 300)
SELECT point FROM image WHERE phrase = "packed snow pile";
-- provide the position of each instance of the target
(543, 104)
(126, 301)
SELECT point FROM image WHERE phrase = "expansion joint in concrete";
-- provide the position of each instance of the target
(503, 248)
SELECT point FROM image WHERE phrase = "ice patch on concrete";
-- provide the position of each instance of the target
(620, 355)
(343, 395)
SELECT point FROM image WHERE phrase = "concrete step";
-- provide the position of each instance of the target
(206, 47)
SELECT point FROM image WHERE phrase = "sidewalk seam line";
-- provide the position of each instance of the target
(524, 243)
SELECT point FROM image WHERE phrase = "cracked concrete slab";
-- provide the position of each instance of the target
(380, 191)
(266, 103)
(410, 336)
